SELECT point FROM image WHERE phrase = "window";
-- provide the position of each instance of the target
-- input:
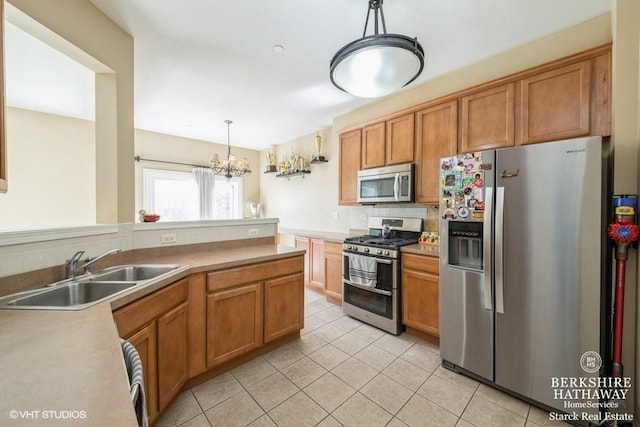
(227, 198)
(174, 196)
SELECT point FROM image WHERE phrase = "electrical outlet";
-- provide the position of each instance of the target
(253, 232)
(168, 238)
(336, 215)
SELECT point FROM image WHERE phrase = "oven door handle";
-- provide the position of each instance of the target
(378, 260)
(367, 288)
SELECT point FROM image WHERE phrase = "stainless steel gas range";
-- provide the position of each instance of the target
(371, 272)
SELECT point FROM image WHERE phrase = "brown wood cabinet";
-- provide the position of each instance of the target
(234, 322)
(487, 119)
(400, 140)
(199, 323)
(436, 137)
(373, 145)
(173, 349)
(313, 261)
(304, 243)
(157, 325)
(333, 272)
(283, 306)
(390, 142)
(251, 305)
(144, 340)
(556, 104)
(566, 98)
(316, 264)
(350, 155)
(420, 293)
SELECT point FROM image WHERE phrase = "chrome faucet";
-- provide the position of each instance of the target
(72, 264)
(89, 260)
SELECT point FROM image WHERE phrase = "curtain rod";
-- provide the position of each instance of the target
(140, 159)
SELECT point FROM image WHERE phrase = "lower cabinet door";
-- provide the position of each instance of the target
(333, 276)
(234, 322)
(284, 306)
(172, 353)
(144, 340)
(420, 301)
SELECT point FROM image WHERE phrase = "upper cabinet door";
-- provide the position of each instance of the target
(400, 139)
(556, 104)
(487, 119)
(436, 137)
(373, 146)
(349, 166)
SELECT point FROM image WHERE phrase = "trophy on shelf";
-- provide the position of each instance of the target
(271, 162)
(319, 157)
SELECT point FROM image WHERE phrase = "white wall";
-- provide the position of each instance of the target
(51, 170)
(310, 202)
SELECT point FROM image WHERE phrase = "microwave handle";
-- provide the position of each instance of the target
(396, 187)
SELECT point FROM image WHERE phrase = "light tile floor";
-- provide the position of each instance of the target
(342, 372)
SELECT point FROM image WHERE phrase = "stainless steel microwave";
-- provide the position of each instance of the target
(389, 184)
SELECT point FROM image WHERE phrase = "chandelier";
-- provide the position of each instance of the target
(230, 166)
(379, 64)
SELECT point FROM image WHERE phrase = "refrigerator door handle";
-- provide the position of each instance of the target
(499, 261)
(488, 218)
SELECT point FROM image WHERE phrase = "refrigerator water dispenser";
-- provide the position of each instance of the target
(465, 244)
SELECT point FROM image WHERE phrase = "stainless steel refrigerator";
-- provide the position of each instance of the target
(523, 264)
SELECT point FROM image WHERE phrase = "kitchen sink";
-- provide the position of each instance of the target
(132, 273)
(72, 294)
(87, 290)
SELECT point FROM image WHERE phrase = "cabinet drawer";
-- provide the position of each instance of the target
(332, 248)
(227, 278)
(422, 263)
(133, 316)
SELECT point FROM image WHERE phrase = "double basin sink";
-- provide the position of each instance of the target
(87, 290)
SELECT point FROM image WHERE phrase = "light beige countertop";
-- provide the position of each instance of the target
(331, 236)
(65, 368)
(418, 249)
(62, 369)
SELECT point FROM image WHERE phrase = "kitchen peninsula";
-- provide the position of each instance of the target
(82, 379)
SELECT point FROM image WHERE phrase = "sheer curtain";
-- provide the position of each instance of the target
(206, 182)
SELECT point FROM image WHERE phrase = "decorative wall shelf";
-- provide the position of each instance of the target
(290, 174)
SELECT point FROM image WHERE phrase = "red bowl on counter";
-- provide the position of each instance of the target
(150, 217)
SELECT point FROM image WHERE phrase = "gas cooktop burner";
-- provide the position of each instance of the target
(398, 232)
(379, 241)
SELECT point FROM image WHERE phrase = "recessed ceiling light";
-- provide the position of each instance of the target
(278, 48)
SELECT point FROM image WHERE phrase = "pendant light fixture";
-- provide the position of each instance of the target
(379, 64)
(230, 166)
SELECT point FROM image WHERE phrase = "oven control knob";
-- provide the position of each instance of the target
(366, 250)
(349, 247)
(386, 253)
(378, 252)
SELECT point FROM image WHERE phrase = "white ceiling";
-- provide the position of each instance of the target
(199, 62)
